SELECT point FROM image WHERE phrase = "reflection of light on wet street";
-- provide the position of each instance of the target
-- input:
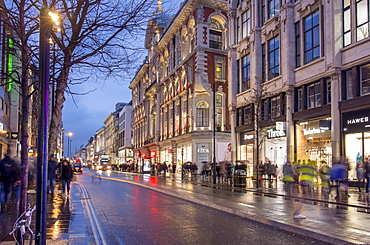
(247, 205)
(109, 172)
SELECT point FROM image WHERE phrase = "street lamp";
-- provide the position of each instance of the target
(46, 24)
(69, 134)
(182, 162)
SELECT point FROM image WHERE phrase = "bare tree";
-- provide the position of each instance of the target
(255, 101)
(97, 37)
(18, 18)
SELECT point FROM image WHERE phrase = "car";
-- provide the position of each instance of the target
(77, 167)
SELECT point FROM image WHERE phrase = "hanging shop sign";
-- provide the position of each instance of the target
(356, 122)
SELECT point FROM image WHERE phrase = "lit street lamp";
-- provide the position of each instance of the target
(69, 134)
(46, 23)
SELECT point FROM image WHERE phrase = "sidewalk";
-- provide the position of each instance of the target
(65, 221)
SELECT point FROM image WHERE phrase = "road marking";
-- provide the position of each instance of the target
(95, 225)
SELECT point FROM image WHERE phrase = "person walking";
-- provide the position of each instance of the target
(360, 174)
(9, 175)
(325, 176)
(367, 176)
(66, 176)
(288, 172)
(52, 167)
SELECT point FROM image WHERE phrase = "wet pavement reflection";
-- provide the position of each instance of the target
(58, 215)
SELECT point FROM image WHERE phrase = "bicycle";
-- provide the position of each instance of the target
(23, 225)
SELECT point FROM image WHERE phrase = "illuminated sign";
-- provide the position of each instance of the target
(273, 133)
(313, 131)
(248, 136)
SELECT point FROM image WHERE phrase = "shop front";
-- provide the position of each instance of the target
(356, 132)
(313, 141)
(245, 151)
(275, 147)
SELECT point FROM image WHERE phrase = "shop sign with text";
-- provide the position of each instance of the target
(274, 133)
(356, 122)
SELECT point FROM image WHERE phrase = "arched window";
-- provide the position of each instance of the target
(202, 114)
(215, 34)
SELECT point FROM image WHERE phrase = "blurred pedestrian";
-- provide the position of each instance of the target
(360, 174)
(288, 171)
(17, 183)
(367, 176)
(307, 174)
(52, 168)
(9, 175)
(66, 176)
(325, 176)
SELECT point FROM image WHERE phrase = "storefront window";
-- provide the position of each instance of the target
(314, 140)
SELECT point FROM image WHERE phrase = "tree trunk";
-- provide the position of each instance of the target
(56, 117)
(24, 122)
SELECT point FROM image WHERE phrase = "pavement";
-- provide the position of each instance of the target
(332, 217)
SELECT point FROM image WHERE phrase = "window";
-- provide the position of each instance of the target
(237, 30)
(263, 11)
(273, 8)
(219, 73)
(275, 107)
(299, 99)
(346, 22)
(328, 90)
(246, 24)
(297, 45)
(349, 85)
(218, 100)
(263, 63)
(365, 79)
(248, 115)
(362, 19)
(311, 37)
(265, 110)
(218, 111)
(246, 72)
(313, 95)
(215, 35)
(202, 114)
(238, 77)
(273, 56)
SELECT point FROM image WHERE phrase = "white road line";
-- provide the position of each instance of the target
(95, 225)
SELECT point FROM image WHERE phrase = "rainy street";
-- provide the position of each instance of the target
(130, 214)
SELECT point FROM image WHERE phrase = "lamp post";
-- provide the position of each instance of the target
(69, 134)
(182, 163)
(214, 133)
(42, 141)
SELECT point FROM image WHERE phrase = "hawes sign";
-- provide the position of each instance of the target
(356, 122)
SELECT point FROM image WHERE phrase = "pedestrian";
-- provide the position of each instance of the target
(288, 172)
(9, 175)
(367, 176)
(325, 176)
(52, 167)
(66, 175)
(17, 184)
(360, 174)
(164, 168)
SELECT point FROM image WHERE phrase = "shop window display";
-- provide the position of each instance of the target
(314, 141)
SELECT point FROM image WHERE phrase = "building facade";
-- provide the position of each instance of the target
(299, 80)
(125, 153)
(180, 93)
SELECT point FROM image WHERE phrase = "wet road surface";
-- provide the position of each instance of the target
(130, 214)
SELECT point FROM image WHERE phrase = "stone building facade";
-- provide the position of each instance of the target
(180, 93)
(299, 80)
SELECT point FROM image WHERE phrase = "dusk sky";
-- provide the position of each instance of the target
(87, 113)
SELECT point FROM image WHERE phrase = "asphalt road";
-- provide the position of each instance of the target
(130, 214)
